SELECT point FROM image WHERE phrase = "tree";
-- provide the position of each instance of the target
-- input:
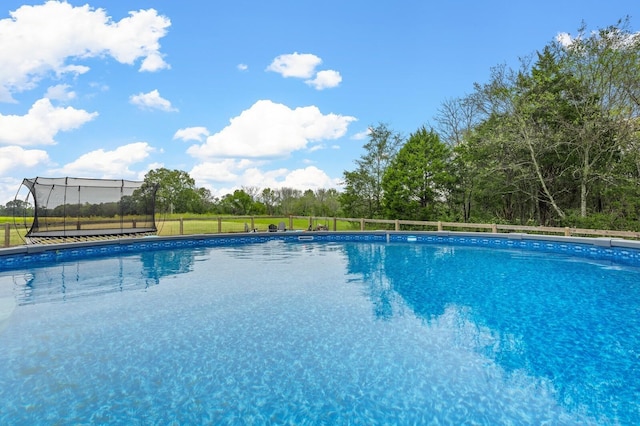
(17, 207)
(455, 118)
(206, 201)
(417, 178)
(288, 197)
(176, 190)
(493, 157)
(607, 64)
(269, 198)
(363, 187)
(238, 203)
(327, 202)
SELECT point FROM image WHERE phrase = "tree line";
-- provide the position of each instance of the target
(555, 141)
(176, 192)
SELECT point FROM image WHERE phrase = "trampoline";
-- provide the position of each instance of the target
(77, 209)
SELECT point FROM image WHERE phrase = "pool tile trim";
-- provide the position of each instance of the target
(608, 249)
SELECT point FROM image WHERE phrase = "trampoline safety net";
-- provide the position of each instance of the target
(77, 209)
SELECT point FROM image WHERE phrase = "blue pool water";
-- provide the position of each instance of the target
(321, 333)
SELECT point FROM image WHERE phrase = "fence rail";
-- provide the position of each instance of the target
(320, 223)
(232, 224)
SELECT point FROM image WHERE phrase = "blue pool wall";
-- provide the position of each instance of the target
(606, 249)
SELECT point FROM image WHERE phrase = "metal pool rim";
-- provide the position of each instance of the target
(607, 249)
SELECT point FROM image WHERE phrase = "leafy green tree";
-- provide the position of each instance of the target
(288, 199)
(16, 208)
(176, 190)
(363, 187)
(306, 204)
(205, 202)
(238, 203)
(417, 179)
(607, 64)
(327, 201)
(269, 199)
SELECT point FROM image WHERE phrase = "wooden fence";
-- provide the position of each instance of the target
(319, 223)
(232, 224)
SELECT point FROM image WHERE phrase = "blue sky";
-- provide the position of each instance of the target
(246, 93)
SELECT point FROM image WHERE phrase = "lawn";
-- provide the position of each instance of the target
(210, 225)
(193, 224)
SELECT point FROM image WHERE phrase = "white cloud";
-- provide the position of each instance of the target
(9, 187)
(38, 40)
(41, 124)
(153, 62)
(301, 65)
(151, 100)
(309, 178)
(564, 39)
(61, 93)
(361, 135)
(242, 67)
(223, 177)
(325, 80)
(107, 164)
(150, 166)
(15, 157)
(619, 40)
(269, 129)
(218, 171)
(191, 134)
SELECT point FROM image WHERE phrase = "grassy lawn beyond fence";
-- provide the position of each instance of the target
(190, 225)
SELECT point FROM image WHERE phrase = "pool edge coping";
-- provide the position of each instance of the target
(598, 243)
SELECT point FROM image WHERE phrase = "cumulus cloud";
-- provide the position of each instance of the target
(34, 44)
(303, 65)
(361, 135)
(269, 129)
(224, 171)
(325, 80)
(242, 67)
(309, 178)
(225, 176)
(107, 164)
(191, 134)
(61, 93)
(41, 124)
(151, 100)
(15, 157)
(300, 65)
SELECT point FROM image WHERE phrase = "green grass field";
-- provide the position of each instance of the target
(15, 235)
(209, 225)
(192, 224)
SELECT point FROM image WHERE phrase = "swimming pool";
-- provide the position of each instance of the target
(377, 329)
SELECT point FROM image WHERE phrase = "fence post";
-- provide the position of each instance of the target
(310, 223)
(335, 224)
(439, 226)
(397, 224)
(253, 224)
(290, 221)
(567, 231)
(181, 227)
(7, 235)
(219, 225)
(494, 228)
(362, 224)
